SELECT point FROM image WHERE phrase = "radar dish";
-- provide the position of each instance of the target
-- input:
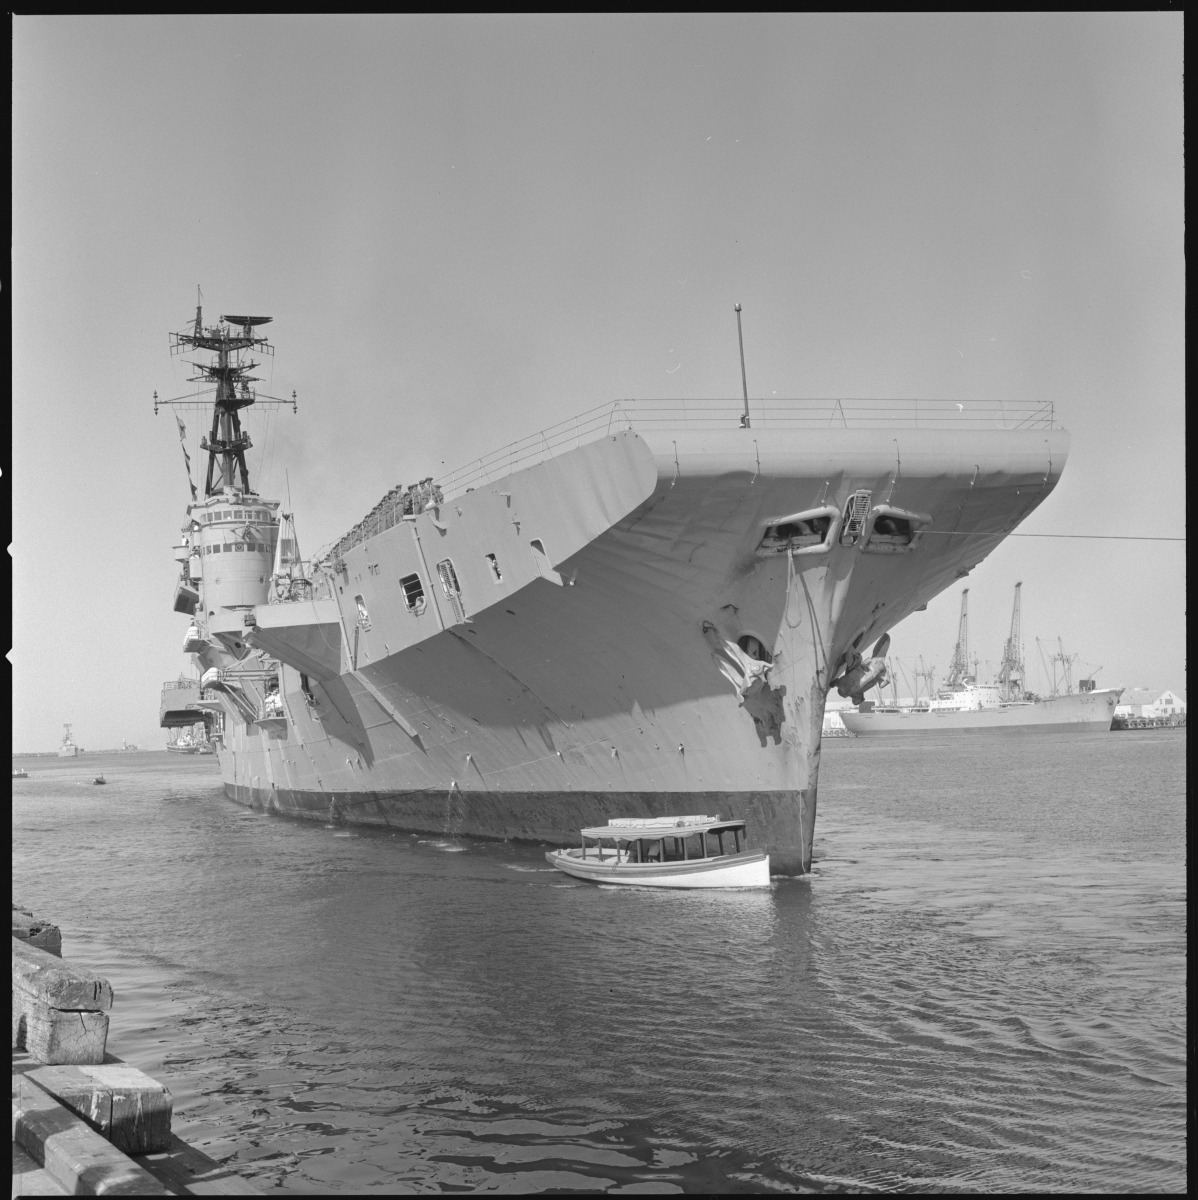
(245, 320)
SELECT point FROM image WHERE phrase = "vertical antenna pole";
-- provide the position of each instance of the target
(744, 383)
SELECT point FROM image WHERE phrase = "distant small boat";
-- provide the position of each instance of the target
(99, 779)
(20, 773)
(675, 852)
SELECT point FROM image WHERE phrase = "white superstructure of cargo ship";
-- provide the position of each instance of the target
(636, 613)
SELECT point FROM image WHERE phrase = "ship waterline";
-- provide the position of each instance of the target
(643, 623)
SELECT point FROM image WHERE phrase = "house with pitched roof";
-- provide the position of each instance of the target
(1147, 704)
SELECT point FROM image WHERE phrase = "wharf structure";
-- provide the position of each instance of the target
(635, 613)
(84, 1122)
(1158, 706)
(1146, 708)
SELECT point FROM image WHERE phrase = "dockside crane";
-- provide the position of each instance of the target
(1011, 670)
(958, 669)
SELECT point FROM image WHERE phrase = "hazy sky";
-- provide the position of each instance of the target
(468, 228)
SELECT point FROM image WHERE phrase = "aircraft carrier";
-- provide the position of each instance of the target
(638, 612)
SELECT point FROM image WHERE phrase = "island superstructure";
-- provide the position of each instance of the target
(636, 613)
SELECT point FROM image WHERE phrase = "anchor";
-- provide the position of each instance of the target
(861, 674)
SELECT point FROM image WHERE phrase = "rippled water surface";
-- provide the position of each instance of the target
(980, 987)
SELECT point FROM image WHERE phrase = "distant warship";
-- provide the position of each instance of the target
(638, 612)
(67, 748)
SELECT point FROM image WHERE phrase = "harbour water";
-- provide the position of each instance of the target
(979, 987)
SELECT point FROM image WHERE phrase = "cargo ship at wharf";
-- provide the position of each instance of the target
(965, 706)
(634, 613)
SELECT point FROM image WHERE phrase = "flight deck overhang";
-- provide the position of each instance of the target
(863, 453)
(304, 634)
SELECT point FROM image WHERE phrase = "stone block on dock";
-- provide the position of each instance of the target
(60, 984)
(77, 1158)
(57, 1008)
(117, 1100)
(54, 1036)
(34, 932)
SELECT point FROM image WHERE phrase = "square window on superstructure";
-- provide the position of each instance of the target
(413, 593)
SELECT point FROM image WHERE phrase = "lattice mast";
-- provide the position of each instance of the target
(1011, 673)
(958, 669)
(232, 341)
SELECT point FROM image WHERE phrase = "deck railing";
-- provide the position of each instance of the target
(710, 415)
(700, 416)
